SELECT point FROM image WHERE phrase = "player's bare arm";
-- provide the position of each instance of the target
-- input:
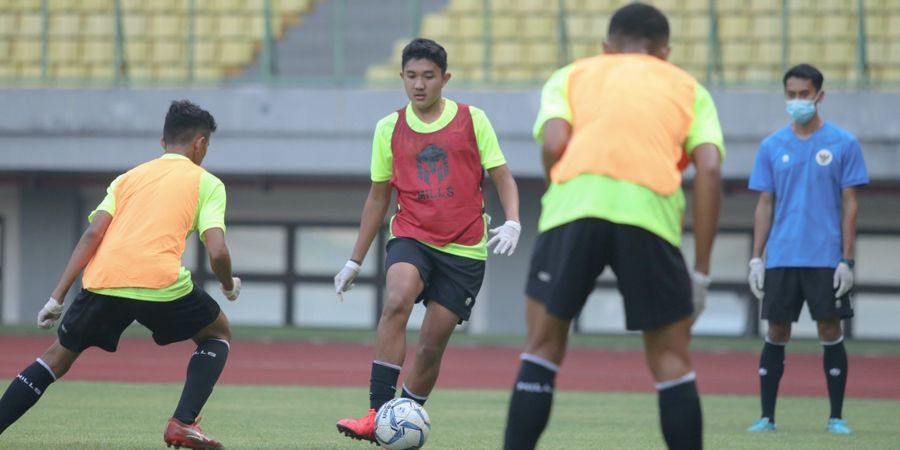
(219, 257)
(849, 209)
(762, 222)
(707, 198)
(84, 251)
(557, 133)
(374, 210)
(507, 189)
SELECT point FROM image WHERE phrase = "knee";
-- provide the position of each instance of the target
(778, 333)
(397, 304)
(829, 332)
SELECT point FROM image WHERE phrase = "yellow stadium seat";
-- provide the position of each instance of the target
(236, 53)
(134, 25)
(7, 24)
(96, 6)
(98, 51)
(766, 26)
(538, 7)
(473, 6)
(382, 73)
(170, 73)
(25, 51)
(839, 52)
(7, 71)
(29, 25)
(205, 25)
(101, 71)
(504, 6)
(506, 26)
(877, 50)
(804, 25)
(507, 53)
(99, 25)
(71, 71)
(578, 26)
(514, 75)
(469, 53)
(734, 26)
(167, 26)
(767, 53)
(808, 52)
(583, 49)
(205, 52)
(765, 6)
(291, 6)
(893, 54)
(67, 25)
(470, 26)
(736, 53)
(839, 26)
(542, 54)
(540, 27)
(438, 26)
(137, 50)
(232, 26)
(218, 6)
(167, 52)
(893, 24)
(257, 26)
(668, 6)
(876, 24)
(697, 27)
(208, 73)
(24, 5)
(30, 70)
(4, 51)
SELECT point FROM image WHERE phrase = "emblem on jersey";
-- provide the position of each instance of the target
(824, 157)
(785, 158)
(432, 160)
(432, 163)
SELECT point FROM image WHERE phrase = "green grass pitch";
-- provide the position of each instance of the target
(94, 415)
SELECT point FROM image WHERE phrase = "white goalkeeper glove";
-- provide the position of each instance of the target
(343, 281)
(235, 291)
(49, 314)
(700, 287)
(506, 237)
(843, 279)
(757, 277)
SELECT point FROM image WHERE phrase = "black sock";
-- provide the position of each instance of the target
(414, 397)
(835, 364)
(771, 368)
(383, 384)
(24, 391)
(680, 416)
(203, 371)
(529, 408)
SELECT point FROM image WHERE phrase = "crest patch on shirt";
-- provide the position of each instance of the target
(824, 157)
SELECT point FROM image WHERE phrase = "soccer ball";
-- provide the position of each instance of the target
(401, 424)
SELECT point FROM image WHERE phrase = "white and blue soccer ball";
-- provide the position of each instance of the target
(402, 424)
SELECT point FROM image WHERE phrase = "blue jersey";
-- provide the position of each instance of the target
(806, 177)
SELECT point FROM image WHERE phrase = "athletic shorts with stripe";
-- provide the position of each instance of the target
(450, 280)
(788, 287)
(96, 320)
(651, 273)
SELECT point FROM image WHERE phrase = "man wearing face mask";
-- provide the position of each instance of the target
(806, 174)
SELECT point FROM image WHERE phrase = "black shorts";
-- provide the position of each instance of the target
(99, 320)
(451, 281)
(787, 287)
(651, 273)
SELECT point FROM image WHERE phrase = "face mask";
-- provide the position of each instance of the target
(802, 111)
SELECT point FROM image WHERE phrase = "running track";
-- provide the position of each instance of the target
(347, 364)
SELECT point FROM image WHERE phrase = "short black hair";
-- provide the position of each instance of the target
(421, 48)
(184, 120)
(806, 72)
(639, 21)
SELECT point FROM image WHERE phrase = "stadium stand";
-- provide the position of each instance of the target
(156, 36)
(729, 41)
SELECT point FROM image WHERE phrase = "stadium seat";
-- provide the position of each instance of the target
(29, 24)
(7, 24)
(98, 52)
(100, 25)
(64, 25)
(25, 51)
(438, 26)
